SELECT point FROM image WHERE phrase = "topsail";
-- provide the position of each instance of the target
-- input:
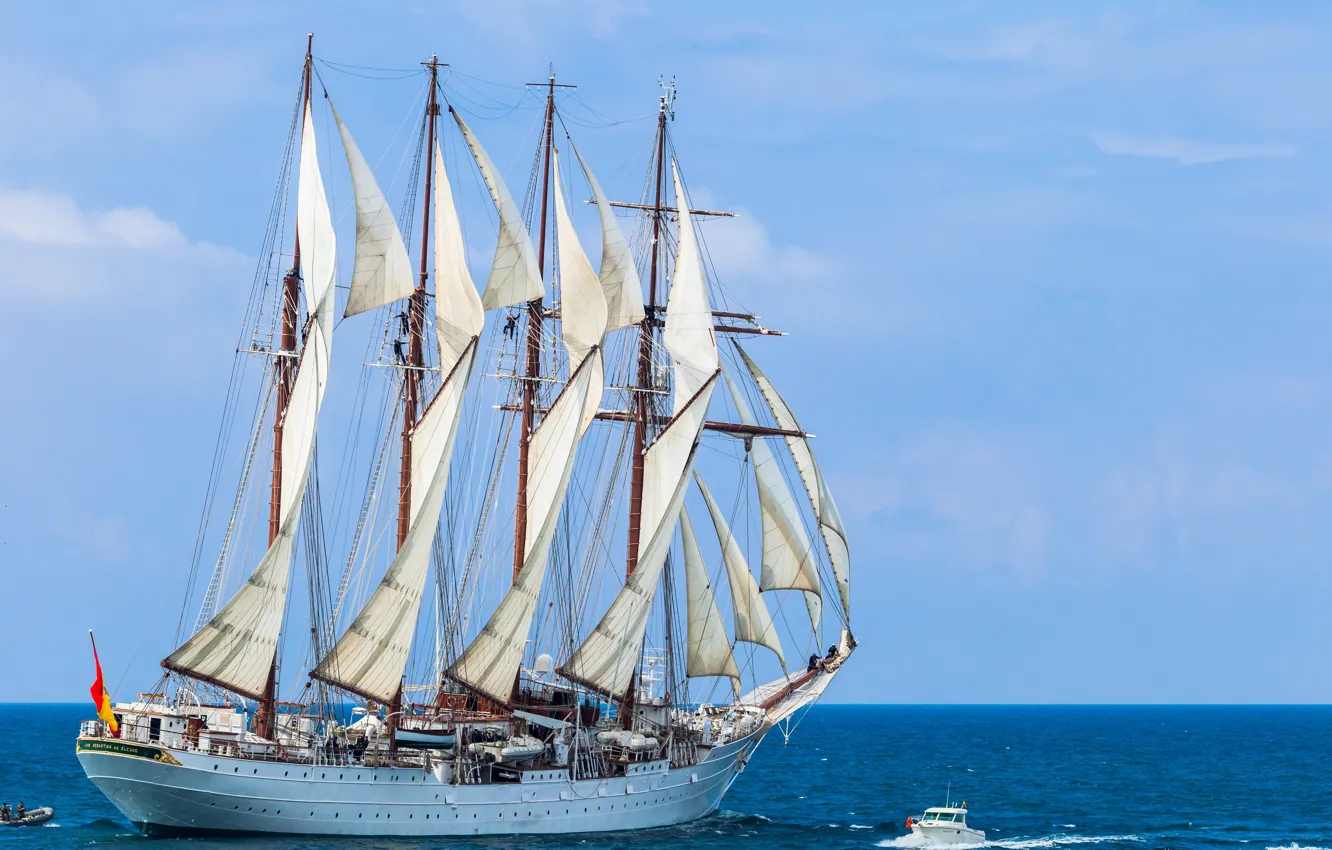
(514, 278)
(609, 656)
(382, 271)
(370, 657)
(237, 647)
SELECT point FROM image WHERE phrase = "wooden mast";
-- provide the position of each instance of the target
(645, 359)
(416, 321)
(645, 382)
(411, 396)
(535, 318)
(285, 367)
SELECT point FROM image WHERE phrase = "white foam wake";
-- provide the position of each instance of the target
(1295, 846)
(1050, 841)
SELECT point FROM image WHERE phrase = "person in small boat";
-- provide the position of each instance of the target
(22, 811)
(5, 812)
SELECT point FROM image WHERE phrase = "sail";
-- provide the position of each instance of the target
(236, 648)
(607, 659)
(491, 662)
(753, 623)
(830, 521)
(619, 274)
(709, 651)
(382, 271)
(514, 277)
(788, 559)
(370, 657)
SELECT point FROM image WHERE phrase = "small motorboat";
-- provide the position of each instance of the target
(945, 825)
(32, 817)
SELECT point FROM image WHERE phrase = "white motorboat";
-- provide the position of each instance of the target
(945, 825)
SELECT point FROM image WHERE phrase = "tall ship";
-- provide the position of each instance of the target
(514, 594)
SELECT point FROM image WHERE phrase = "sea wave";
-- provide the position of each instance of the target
(1295, 846)
(1049, 841)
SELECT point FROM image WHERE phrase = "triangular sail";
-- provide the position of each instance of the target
(709, 652)
(491, 662)
(236, 648)
(382, 271)
(788, 559)
(514, 277)
(370, 657)
(619, 274)
(753, 623)
(830, 521)
(606, 660)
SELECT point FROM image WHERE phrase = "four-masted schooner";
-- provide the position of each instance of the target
(579, 672)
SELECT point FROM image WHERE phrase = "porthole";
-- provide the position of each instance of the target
(337, 814)
(358, 814)
(284, 773)
(214, 767)
(339, 776)
(279, 811)
(323, 776)
(256, 770)
(235, 770)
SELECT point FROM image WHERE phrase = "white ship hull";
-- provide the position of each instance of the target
(178, 791)
(950, 833)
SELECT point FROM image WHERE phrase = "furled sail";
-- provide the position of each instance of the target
(788, 559)
(619, 274)
(370, 657)
(606, 660)
(236, 648)
(830, 521)
(709, 649)
(514, 277)
(382, 271)
(491, 662)
(753, 623)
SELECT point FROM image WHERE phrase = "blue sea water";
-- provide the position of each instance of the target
(1133, 778)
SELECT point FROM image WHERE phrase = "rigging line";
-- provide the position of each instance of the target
(342, 68)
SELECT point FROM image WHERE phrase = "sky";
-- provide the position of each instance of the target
(1056, 279)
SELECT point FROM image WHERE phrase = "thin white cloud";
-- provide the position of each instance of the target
(57, 251)
(1186, 151)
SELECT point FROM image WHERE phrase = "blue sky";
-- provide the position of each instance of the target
(1056, 278)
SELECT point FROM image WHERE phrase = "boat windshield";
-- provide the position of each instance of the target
(939, 816)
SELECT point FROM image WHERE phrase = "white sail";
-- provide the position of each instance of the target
(514, 277)
(382, 271)
(753, 623)
(788, 559)
(830, 521)
(606, 660)
(709, 651)
(619, 273)
(491, 662)
(237, 647)
(371, 656)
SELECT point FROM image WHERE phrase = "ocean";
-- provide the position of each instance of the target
(1034, 777)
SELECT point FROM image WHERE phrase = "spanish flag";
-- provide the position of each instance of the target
(100, 697)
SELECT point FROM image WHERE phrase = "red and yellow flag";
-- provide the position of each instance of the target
(100, 697)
